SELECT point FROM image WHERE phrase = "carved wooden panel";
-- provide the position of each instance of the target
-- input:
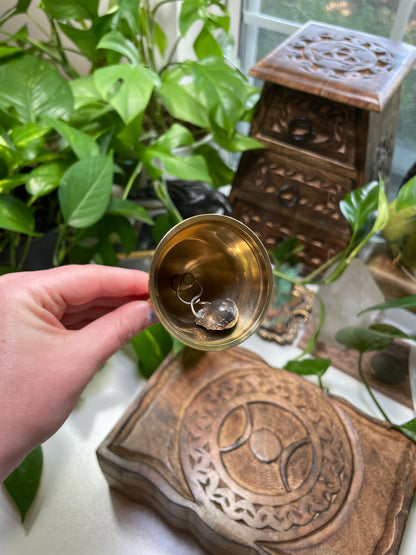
(278, 183)
(348, 66)
(251, 459)
(309, 122)
(272, 229)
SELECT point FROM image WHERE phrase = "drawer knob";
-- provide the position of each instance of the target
(288, 195)
(300, 129)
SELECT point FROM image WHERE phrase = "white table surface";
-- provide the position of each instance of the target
(75, 512)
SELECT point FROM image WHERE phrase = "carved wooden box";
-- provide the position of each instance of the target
(252, 459)
(327, 118)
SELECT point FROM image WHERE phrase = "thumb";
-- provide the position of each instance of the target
(102, 338)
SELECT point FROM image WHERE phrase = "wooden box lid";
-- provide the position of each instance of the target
(252, 459)
(343, 65)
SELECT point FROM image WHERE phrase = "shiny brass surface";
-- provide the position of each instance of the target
(229, 261)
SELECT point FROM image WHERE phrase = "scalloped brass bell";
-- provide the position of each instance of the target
(210, 282)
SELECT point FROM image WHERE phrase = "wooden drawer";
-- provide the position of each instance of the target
(311, 123)
(285, 186)
(271, 229)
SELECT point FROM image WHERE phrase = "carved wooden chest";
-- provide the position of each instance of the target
(254, 460)
(327, 118)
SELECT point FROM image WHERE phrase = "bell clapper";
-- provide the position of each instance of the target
(217, 315)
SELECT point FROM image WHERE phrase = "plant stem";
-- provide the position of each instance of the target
(148, 37)
(56, 251)
(24, 254)
(37, 24)
(66, 65)
(161, 4)
(313, 339)
(291, 279)
(360, 371)
(323, 267)
(133, 175)
(162, 193)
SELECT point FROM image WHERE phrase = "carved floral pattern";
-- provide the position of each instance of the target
(338, 55)
(333, 125)
(319, 197)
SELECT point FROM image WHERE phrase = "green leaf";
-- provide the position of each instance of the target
(177, 346)
(382, 210)
(85, 39)
(286, 251)
(408, 429)
(23, 483)
(205, 92)
(151, 346)
(159, 37)
(220, 173)
(406, 197)
(119, 225)
(127, 13)
(98, 241)
(161, 226)
(236, 141)
(359, 204)
(85, 191)
(391, 330)
(127, 88)
(71, 9)
(206, 45)
(159, 157)
(309, 366)
(7, 184)
(82, 144)
(104, 253)
(222, 89)
(189, 14)
(84, 91)
(34, 89)
(195, 10)
(22, 6)
(181, 101)
(129, 209)
(6, 51)
(16, 216)
(176, 136)
(192, 168)
(115, 41)
(22, 135)
(363, 340)
(45, 178)
(404, 302)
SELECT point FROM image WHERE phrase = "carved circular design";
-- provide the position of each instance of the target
(340, 56)
(268, 456)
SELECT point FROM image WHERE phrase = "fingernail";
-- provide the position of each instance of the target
(151, 317)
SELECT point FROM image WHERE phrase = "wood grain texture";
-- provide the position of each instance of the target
(252, 459)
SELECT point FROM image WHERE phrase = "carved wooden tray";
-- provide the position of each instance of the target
(252, 459)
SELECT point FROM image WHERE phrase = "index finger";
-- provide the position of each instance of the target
(79, 285)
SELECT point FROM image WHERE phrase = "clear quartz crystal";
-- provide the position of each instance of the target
(217, 315)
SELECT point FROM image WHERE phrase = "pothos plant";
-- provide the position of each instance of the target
(368, 212)
(68, 136)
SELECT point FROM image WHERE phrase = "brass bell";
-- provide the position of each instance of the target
(210, 282)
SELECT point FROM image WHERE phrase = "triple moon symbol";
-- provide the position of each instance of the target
(265, 445)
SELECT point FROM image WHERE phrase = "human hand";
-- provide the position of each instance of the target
(57, 328)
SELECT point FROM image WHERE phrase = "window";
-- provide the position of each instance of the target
(261, 25)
